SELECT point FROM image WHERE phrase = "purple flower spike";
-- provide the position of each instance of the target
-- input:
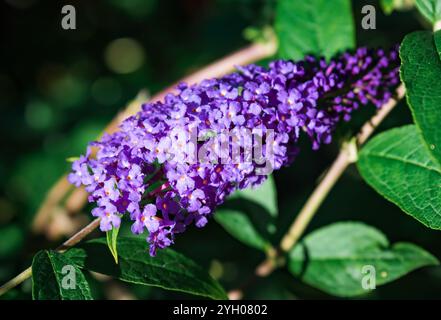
(171, 164)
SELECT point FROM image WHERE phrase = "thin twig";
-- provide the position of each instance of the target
(343, 160)
(80, 235)
(76, 200)
(72, 241)
(16, 281)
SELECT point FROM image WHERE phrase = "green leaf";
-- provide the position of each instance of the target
(265, 195)
(421, 74)
(437, 37)
(111, 237)
(398, 166)
(55, 277)
(319, 27)
(169, 269)
(430, 9)
(334, 258)
(249, 214)
(239, 225)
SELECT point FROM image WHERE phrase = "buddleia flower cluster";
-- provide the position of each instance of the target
(168, 166)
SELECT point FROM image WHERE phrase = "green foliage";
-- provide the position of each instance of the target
(249, 214)
(438, 43)
(421, 74)
(55, 277)
(398, 166)
(168, 270)
(53, 115)
(430, 9)
(404, 165)
(333, 258)
(111, 238)
(239, 225)
(319, 27)
(264, 195)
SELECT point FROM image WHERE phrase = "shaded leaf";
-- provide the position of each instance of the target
(437, 38)
(239, 225)
(398, 166)
(319, 27)
(265, 195)
(249, 214)
(421, 74)
(55, 277)
(169, 269)
(336, 258)
(430, 9)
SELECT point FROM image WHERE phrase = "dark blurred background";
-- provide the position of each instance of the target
(59, 88)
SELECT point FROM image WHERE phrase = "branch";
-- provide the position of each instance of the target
(77, 237)
(16, 281)
(78, 197)
(80, 235)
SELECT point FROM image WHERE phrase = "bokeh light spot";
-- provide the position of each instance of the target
(124, 55)
(68, 91)
(216, 269)
(38, 115)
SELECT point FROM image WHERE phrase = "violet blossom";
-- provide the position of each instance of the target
(141, 170)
